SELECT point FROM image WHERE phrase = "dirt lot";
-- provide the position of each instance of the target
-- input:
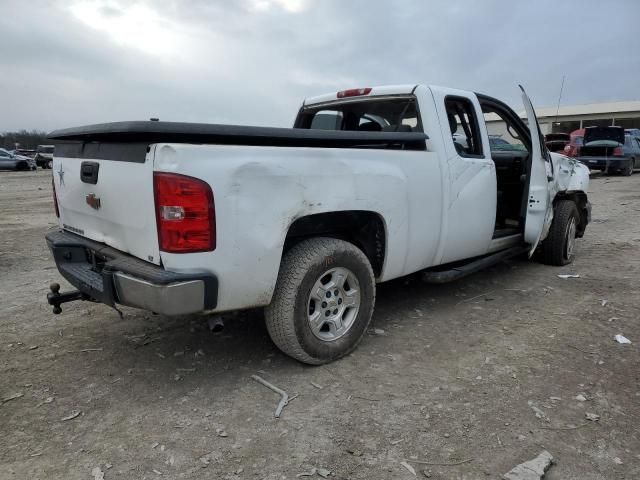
(483, 372)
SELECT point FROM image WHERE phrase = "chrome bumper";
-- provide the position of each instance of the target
(173, 299)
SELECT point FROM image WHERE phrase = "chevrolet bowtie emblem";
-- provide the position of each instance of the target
(93, 201)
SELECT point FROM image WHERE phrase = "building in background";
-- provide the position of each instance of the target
(573, 117)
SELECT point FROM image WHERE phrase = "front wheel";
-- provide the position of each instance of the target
(628, 171)
(323, 301)
(559, 246)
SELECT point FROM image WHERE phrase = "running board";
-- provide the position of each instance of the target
(445, 276)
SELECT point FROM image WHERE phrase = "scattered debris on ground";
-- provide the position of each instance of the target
(72, 415)
(284, 401)
(97, 473)
(12, 396)
(622, 339)
(532, 469)
(408, 467)
(594, 417)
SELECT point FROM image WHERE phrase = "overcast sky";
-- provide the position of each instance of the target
(71, 62)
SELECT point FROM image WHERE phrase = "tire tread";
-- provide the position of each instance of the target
(553, 245)
(279, 315)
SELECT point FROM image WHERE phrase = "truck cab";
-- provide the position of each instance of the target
(504, 192)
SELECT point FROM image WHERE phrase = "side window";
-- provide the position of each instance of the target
(327, 120)
(463, 124)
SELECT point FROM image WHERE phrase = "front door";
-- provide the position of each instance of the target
(539, 202)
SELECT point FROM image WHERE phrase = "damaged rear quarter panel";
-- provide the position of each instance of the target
(260, 191)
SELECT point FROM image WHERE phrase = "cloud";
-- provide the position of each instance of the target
(253, 61)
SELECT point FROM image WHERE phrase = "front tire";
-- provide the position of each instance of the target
(323, 301)
(628, 171)
(559, 246)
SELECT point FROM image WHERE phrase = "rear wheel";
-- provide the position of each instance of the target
(323, 301)
(559, 246)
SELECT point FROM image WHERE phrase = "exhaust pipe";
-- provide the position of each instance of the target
(216, 324)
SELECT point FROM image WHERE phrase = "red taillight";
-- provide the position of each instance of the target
(618, 152)
(185, 213)
(55, 198)
(354, 92)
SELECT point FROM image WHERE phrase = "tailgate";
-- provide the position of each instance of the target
(105, 193)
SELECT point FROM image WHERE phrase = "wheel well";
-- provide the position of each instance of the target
(362, 228)
(580, 199)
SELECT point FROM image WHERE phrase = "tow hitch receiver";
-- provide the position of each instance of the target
(56, 298)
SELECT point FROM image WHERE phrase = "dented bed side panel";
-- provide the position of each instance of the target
(260, 191)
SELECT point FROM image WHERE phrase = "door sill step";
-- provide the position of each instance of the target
(461, 271)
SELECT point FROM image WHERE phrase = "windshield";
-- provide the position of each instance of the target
(398, 114)
(500, 145)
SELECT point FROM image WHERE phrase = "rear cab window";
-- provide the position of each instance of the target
(465, 132)
(373, 114)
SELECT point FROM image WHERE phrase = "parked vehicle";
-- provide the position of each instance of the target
(25, 152)
(556, 142)
(44, 156)
(575, 143)
(608, 149)
(11, 161)
(369, 186)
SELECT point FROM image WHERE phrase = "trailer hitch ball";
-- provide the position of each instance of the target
(55, 298)
(55, 290)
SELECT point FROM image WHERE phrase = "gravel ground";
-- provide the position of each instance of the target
(481, 374)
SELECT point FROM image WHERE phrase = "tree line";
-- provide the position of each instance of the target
(28, 139)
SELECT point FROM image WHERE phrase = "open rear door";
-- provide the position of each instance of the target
(539, 204)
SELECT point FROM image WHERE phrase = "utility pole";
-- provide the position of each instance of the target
(559, 98)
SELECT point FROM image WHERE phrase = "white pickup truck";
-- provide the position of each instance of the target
(371, 184)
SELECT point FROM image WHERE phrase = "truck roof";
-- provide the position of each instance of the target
(382, 90)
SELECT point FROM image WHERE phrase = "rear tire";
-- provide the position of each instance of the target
(559, 246)
(323, 301)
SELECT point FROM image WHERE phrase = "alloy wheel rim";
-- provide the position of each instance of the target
(333, 304)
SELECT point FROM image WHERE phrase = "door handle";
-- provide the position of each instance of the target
(89, 172)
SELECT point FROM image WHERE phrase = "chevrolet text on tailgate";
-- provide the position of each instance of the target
(371, 184)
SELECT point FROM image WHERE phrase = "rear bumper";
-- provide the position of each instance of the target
(110, 276)
(604, 162)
